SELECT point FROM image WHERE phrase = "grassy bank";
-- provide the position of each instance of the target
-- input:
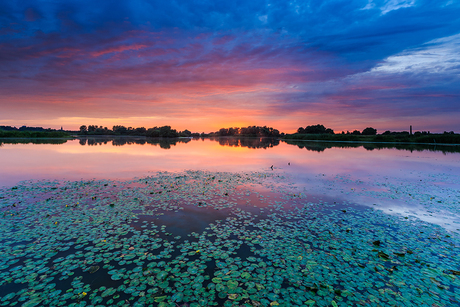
(33, 134)
(406, 138)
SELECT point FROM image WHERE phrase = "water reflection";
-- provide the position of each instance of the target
(247, 142)
(167, 143)
(121, 141)
(403, 179)
(253, 143)
(322, 146)
(32, 141)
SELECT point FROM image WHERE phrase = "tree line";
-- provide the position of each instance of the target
(163, 131)
(321, 129)
(254, 131)
(369, 134)
(168, 132)
(31, 132)
(25, 128)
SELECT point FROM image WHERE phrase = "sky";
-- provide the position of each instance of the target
(202, 65)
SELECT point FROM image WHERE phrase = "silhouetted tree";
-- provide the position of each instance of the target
(140, 131)
(92, 128)
(186, 133)
(83, 129)
(249, 131)
(369, 131)
(153, 132)
(119, 129)
(356, 132)
(8, 128)
(233, 131)
(100, 130)
(315, 129)
(167, 132)
(223, 131)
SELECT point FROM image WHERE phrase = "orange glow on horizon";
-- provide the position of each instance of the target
(214, 123)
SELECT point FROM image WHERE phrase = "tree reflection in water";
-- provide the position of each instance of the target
(166, 143)
(247, 142)
(121, 141)
(322, 146)
(33, 141)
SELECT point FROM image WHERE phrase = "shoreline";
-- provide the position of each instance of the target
(370, 142)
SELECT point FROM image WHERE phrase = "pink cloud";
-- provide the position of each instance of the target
(117, 49)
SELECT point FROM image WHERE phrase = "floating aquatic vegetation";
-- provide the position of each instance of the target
(214, 239)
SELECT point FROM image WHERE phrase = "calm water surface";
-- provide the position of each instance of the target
(357, 175)
(227, 222)
(127, 158)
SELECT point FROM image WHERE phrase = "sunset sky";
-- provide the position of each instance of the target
(203, 65)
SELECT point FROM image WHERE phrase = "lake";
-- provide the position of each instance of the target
(228, 222)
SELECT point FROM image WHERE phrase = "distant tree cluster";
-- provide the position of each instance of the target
(31, 132)
(369, 131)
(418, 133)
(315, 129)
(25, 128)
(366, 131)
(164, 131)
(388, 132)
(248, 131)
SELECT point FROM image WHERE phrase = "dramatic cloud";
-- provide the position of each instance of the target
(347, 64)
